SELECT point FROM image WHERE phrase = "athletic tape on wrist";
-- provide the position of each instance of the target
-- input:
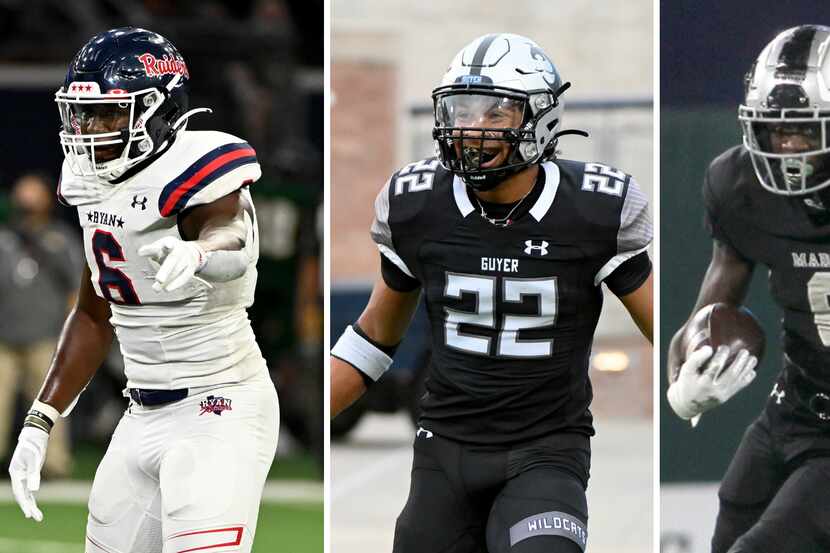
(41, 416)
(361, 354)
(46, 409)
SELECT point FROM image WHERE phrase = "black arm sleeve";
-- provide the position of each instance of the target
(395, 278)
(630, 275)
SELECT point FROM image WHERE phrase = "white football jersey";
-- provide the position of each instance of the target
(196, 335)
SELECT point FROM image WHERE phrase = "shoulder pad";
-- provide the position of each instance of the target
(400, 201)
(412, 187)
(74, 191)
(599, 191)
(59, 188)
(215, 165)
(723, 180)
(593, 177)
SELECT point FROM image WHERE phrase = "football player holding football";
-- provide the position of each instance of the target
(509, 245)
(772, 497)
(171, 248)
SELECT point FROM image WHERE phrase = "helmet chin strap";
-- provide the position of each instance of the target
(488, 181)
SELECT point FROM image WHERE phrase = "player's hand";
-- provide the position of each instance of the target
(24, 469)
(179, 262)
(695, 392)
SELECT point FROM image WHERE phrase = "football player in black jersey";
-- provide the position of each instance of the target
(773, 498)
(509, 246)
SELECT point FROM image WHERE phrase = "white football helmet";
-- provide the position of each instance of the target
(787, 108)
(500, 88)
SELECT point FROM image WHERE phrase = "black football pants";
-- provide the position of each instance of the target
(475, 499)
(770, 503)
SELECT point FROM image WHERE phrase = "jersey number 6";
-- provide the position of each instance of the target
(114, 284)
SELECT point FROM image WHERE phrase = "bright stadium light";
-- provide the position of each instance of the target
(611, 361)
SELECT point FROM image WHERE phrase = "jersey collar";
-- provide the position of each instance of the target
(540, 207)
(545, 199)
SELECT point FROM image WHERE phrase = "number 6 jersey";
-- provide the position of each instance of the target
(512, 308)
(196, 335)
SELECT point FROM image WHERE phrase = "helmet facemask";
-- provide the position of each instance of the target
(105, 134)
(785, 113)
(789, 148)
(485, 134)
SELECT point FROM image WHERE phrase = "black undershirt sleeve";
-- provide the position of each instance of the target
(395, 278)
(630, 275)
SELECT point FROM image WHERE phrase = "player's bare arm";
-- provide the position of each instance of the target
(639, 305)
(709, 378)
(383, 321)
(82, 347)
(726, 280)
(84, 343)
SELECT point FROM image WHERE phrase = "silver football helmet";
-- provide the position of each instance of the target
(786, 112)
(498, 109)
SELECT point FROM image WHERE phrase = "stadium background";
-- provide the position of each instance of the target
(386, 58)
(258, 64)
(706, 48)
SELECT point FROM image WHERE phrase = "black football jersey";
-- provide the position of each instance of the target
(512, 308)
(791, 237)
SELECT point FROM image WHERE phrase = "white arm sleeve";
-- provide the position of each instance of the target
(227, 265)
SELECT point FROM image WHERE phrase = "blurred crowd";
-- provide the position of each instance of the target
(258, 65)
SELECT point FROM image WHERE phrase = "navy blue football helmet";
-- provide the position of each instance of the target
(124, 99)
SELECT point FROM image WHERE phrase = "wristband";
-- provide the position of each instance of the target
(362, 354)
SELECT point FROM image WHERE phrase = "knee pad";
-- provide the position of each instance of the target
(546, 532)
(540, 511)
(732, 522)
(137, 534)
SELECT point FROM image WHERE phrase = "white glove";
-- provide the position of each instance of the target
(179, 261)
(694, 392)
(27, 460)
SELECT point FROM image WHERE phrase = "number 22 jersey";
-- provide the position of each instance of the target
(512, 308)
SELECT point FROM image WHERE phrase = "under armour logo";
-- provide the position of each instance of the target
(142, 203)
(531, 247)
(777, 394)
(426, 432)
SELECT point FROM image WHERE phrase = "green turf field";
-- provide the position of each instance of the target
(292, 527)
(296, 528)
(298, 466)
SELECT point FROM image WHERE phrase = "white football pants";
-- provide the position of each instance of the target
(186, 476)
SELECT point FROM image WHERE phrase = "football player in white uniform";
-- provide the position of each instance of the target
(171, 247)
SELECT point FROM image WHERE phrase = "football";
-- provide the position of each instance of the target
(721, 324)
